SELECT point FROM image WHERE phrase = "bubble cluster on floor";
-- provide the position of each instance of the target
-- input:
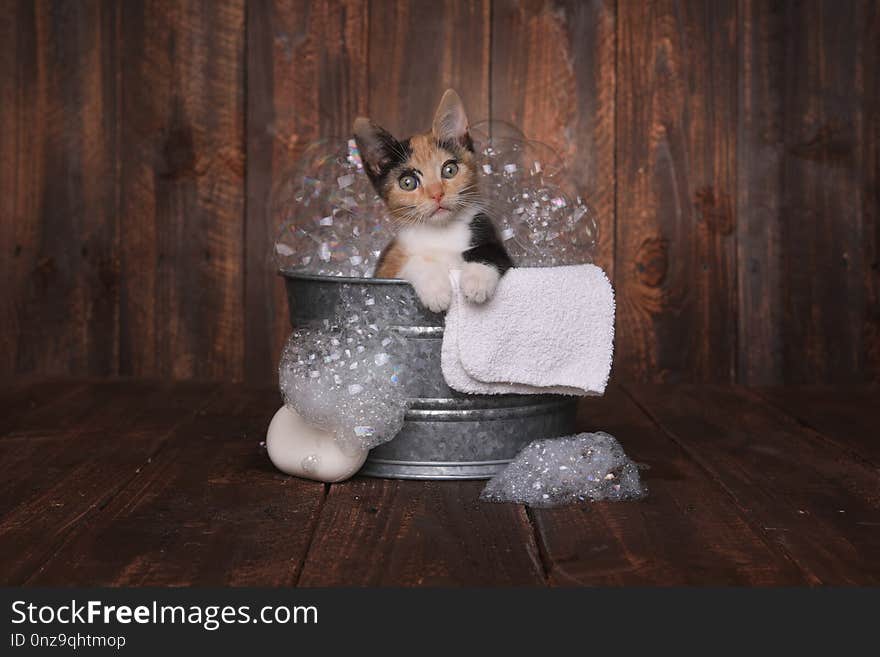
(567, 470)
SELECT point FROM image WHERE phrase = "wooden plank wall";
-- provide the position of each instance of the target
(729, 148)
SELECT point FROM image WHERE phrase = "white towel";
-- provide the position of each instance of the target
(546, 330)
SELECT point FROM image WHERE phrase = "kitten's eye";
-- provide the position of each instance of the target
(449, 169)
(408, 182)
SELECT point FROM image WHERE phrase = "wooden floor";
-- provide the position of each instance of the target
(146, 483)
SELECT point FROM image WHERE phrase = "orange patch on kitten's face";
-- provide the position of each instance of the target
(433, 183)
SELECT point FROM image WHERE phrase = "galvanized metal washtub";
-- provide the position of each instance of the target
(446, 434)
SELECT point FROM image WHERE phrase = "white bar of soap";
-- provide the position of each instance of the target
(297, 448)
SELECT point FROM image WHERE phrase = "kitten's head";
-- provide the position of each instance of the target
(427, 178)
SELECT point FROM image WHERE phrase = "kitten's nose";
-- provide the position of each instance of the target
(435, 193)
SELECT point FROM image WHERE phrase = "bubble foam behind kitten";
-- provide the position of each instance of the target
(558, 471)
(333, 223)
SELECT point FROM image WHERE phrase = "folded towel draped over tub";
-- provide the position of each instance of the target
(546, 330)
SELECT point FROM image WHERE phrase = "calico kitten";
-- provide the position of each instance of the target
(429, 183)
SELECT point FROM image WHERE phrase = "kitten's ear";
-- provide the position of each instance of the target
(450, 121)
(376, 147)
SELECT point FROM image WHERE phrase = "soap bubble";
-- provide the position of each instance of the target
(310, 464)
(347, 376)
(541, 217)
(333, 223)
(557, 471)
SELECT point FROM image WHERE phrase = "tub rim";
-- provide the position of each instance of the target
(288, 272)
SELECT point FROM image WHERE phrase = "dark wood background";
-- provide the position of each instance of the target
(731, 150)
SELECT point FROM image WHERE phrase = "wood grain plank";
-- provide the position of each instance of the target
(208, 510)
(808, 171)
(849, 415)
(553, 76)
(61, 435)
(58, 224)
(59, 408)
(182, 189)
(375, 532)
(760, 158)
(816, 502)
(418, 50)
(19, 402)
(307, 79)
(675, 145)
(53, 480)
(686, 532)
(830, 207)
(868, 170)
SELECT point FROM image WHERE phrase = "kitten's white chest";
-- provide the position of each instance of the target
(443, 244)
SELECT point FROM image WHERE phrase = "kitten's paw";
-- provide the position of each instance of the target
(435, 293)
(478, 282)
